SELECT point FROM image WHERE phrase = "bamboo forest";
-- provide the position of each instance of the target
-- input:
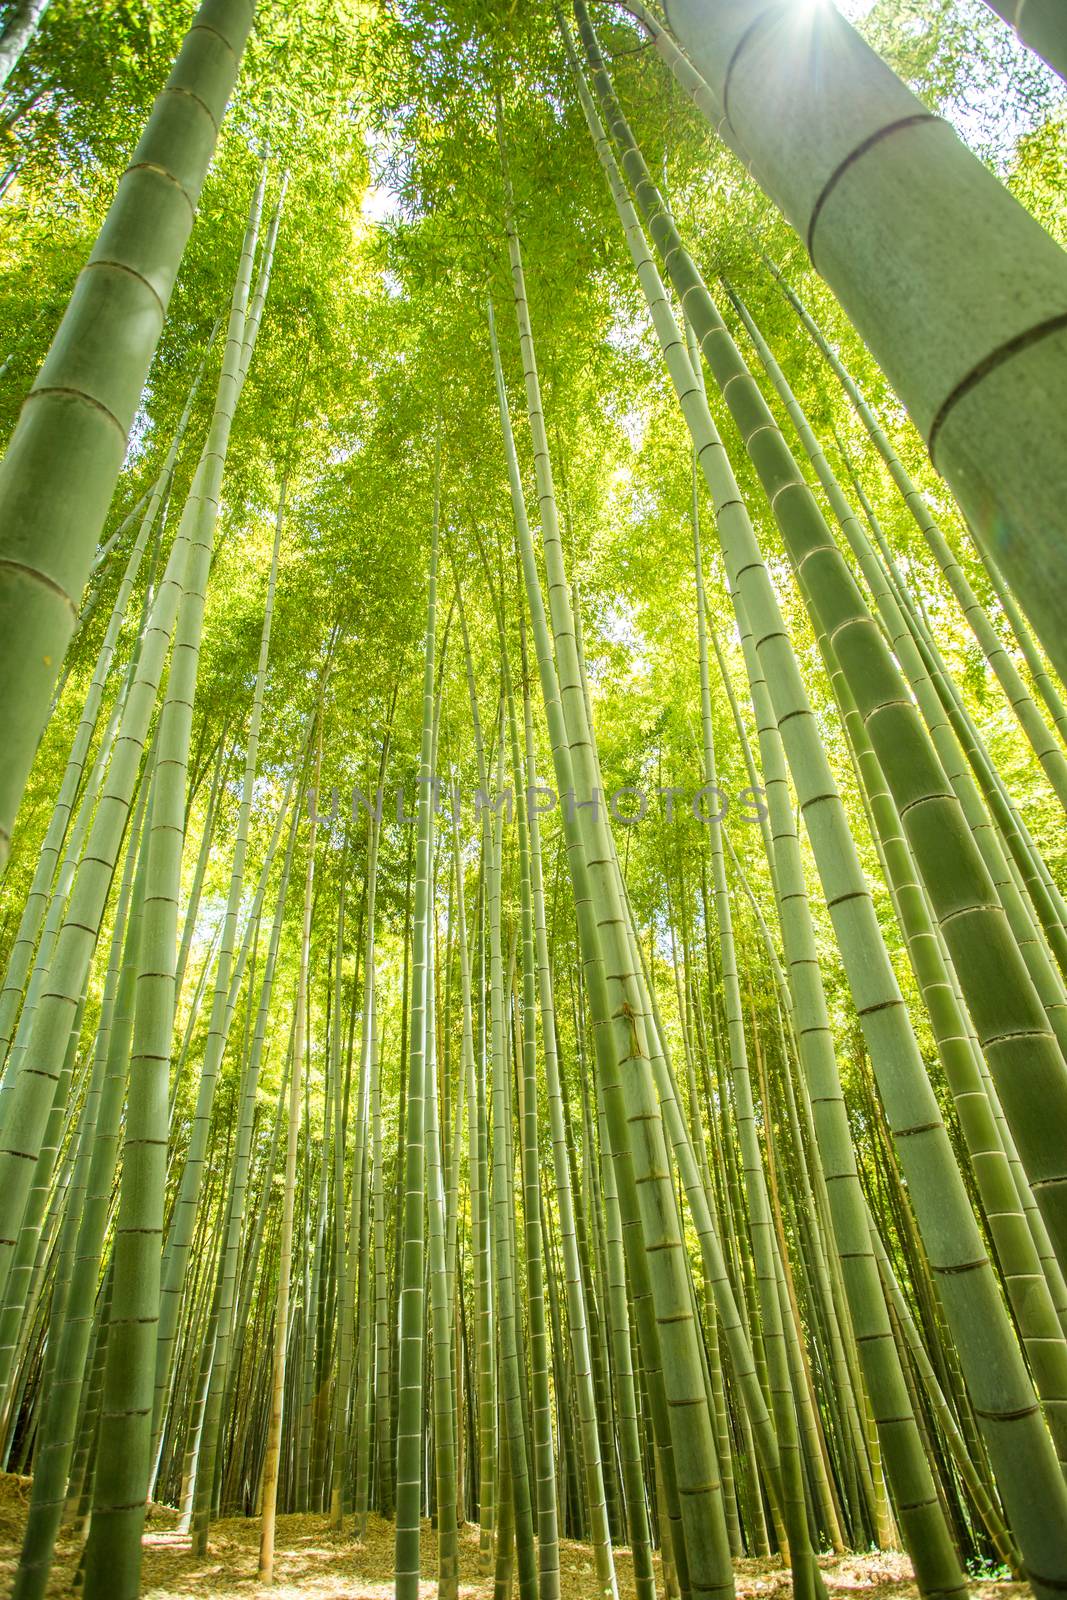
(533, 920)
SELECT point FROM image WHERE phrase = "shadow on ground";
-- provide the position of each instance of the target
(313, 1562)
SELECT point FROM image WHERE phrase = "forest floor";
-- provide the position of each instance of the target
(314, 1563)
